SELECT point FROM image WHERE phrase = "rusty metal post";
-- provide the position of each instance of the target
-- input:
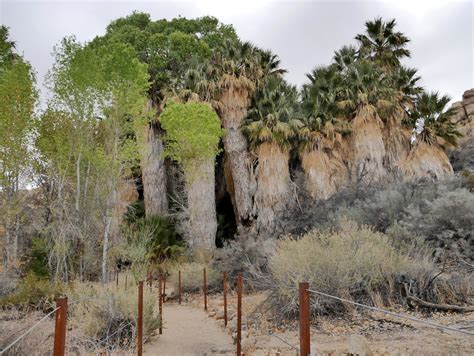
(225, 298)
(140, 320)
(116, 278)
(126, 276)
(160, 304)
(239, 314)
(179, 287)
(205, 290)
(60, 327)
(305, 343)
(164, 287)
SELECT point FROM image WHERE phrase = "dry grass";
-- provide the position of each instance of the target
(192, 276)
(357, 263)
(104, 319)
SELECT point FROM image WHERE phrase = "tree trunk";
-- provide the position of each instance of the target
(397, 140)
(426, 161)
(273, 186)
(153, 172)
(368, 146)
(200, 176)
(234, 110)
(325, 173)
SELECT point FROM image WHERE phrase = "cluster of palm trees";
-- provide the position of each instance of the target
(362, 118)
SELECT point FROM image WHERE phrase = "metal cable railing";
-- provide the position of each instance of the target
(412, 318)
(28, 331)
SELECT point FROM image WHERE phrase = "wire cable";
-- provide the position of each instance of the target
(392, 313)
(27, 332)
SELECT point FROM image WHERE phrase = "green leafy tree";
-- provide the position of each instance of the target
(18, 97)
(192, 137)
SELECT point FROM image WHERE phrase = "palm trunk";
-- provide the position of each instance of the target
(426, 161)
(368, 146)
(200, 186)
(273, 186)
(397, 141)
(153, 172)
(234, 110)
(325, 173)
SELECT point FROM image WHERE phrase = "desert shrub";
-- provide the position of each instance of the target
(38, 258)
(106, 320)
(33, 292)
(150, 240)
(357, 263)
(192, 276)
(247, 256)
(406, 242)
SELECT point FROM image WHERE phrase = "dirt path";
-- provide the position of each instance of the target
(188, 332)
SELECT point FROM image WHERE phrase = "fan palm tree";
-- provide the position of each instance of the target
(271, 125)
(382, 44)
(434, 130)
(397, 132)
(322, 131)
(367, 97)
(344, 58)
(228, 80)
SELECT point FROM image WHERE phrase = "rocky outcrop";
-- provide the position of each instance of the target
(462, 157)
(464, 116)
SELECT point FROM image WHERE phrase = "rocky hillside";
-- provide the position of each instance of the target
(462, 158)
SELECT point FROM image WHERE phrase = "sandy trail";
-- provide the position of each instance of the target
(188, 331)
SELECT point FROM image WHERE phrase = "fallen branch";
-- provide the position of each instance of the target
(444, 307)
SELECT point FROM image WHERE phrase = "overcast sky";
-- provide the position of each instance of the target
(303, 33)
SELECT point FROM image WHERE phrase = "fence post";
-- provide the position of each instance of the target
(225, 299)
(179, 287)
(60, 327)
(116, 278)
(140, 319)
(164, 287)
(205, 291)
(239, 314)
(305, 344)
(160, 303)
(126, 276)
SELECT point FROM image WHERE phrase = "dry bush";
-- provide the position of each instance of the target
(355, 263)
(106, 320)
(247, 256)
(192, 276)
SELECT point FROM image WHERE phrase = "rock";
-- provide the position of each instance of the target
(358, 345)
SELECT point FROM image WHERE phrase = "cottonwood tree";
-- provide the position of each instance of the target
(18, 97)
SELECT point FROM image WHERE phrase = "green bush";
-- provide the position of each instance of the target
(38, 258)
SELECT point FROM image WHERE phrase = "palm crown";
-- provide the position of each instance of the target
(273, 116)
(381, 43)
(433, 120)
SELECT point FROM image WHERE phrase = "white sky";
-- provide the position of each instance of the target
(303, 33)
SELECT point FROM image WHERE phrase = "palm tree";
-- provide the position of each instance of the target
(271, 125)
(398, 132)
(434, 130)
(367, 97)
(344, 58)
(228, 80)
(382, 44)
(321, 133)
